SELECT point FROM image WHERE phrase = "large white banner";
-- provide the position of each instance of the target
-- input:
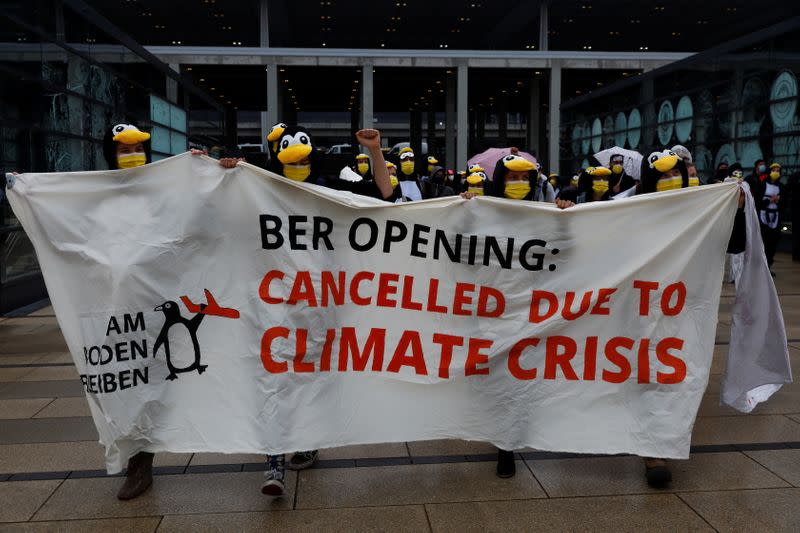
(235, 311)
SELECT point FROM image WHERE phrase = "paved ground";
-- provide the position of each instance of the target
(744, 474)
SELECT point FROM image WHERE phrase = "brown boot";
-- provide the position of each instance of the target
(139, 477)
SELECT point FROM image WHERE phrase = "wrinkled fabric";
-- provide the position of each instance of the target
(118, 248)
(758, 358)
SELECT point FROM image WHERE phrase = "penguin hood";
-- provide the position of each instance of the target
(659, 163)
(276, 131)
(124, 134)
(405, 154)
(296, 151)
(363, 159)
(589, 174)
(512, 162)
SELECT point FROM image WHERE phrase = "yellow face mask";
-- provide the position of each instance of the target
(600, 186)
(136, 159)
(517, 190)
(616, 169)
(774, 176)
(363, 168)
(694, 181)
(553, 182)
(669, 184)
(393, 180)
(407, 167)
(297, 172)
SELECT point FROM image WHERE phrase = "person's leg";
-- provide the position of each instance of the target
(773, 245)
(303, 460)
(506, 467)
(275, 474)
(767, 236)
(139, 476)
(657, 472)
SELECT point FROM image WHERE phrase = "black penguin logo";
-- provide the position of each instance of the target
(173, 318)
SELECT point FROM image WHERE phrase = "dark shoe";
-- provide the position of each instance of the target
(657, 473)
(506, 467)
(276, 471)
(139, 476)
(303, 460)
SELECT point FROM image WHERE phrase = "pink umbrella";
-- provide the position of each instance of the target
(489, 158)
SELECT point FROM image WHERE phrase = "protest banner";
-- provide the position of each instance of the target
(213, 310)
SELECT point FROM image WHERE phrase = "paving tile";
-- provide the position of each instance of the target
(56, 357)
(723, 332)
(450, 447)
(201, 459)
(784, 463)
(20, 499)
(745, 429)
(49, 457)
(66, 407)
(68, 429)
(20, 359)
(403, 485)
(41, 389)
(44, 311)
(663, 512)
(178, 494)
(35, 339)
(52, 373)
(14, 374)
(360, 451)
(795, 418)
(605, 476)
(396, 518)
(23, 408)
(718, 361)
(748, 510)
(791, 315)
(118, 525)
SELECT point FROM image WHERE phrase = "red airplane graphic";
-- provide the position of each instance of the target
(211, 308)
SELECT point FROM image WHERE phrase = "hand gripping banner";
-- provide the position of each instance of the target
(213, 310)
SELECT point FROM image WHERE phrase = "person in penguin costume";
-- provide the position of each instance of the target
(593, 186)
(125, 146)
(363, 167)
(476, 182)
(514, 178)
(409, 181)
(769, 195)
(298, 160)
(432, 162)
(297, 156)
(666, 171)
(555, 183)
(518, 179)
(273, 137)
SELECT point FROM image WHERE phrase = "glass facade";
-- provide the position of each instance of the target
(57, 99)
(738, 104)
